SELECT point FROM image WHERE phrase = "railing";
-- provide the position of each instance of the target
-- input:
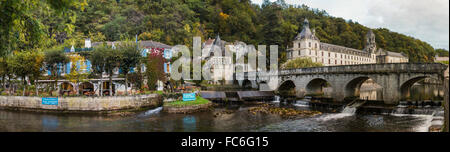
(367, 68)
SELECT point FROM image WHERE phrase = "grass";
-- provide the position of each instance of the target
(159, 92)
(197, 101)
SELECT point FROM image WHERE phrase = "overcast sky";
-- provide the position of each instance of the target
(427, 20)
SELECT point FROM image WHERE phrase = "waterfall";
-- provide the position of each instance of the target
(301, 103)
(276, 99)
(152, 111)
(348, 110)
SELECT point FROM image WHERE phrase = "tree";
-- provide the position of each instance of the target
(54, 59)
(26, 64)
(75, 76)
(112, 61)
(20, 29)
(442, 52)
(98, 58)
(4, 71)
(300, 63)
(129, 58)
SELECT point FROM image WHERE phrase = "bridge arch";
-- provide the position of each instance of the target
(287, 88)
(353, 87)
(316, 86)
(405, 87)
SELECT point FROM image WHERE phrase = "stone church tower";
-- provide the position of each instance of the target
(371, 45)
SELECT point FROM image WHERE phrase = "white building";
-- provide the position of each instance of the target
(306, 44)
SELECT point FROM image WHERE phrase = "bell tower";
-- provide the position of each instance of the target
(371, 45)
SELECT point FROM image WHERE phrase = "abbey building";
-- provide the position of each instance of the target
(306, 44)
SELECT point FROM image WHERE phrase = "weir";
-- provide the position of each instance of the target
(353, 106)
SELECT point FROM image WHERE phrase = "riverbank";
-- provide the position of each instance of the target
(81, 104)
(199, 104)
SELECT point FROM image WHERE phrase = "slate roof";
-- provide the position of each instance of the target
(306, 32)
(142, 44)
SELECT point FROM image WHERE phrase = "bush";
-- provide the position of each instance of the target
(300, 63)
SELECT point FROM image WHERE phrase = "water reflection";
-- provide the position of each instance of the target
(189, 124)
(235, 118)
(50, 123)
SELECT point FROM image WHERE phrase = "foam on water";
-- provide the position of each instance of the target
(348, 111)
(153, 111)
(301, 103)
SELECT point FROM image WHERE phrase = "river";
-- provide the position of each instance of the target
(238, 118)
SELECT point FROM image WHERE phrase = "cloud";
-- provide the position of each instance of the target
(427, 20)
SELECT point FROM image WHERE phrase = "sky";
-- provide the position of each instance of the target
(427, 20)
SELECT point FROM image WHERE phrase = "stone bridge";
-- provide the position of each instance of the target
(395, 79)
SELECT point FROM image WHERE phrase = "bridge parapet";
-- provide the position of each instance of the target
(372, 68)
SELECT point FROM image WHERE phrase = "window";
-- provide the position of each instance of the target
(341, 61)
(335, 61)
(315, 45)
(309, 52)
(309, 44)
(322, 53)
(329, 54)
(329, 61)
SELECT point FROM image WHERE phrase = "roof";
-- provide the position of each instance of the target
(306, 32)
(142, 44)
(337, 48)
(393, 54)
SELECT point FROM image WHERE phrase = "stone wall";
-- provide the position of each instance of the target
(187, 109)
(446, 98)
(82, 104)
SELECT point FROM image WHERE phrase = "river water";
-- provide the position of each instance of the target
(237, 118)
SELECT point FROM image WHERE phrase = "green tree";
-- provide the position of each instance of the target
(442, 52)
(4, 71)
(112, 59)
(129, 58)
(54, 59)
(26, 64)
(21, 29)
(98, 58)
(300, 63)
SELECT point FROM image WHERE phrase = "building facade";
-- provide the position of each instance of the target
(307, 45)
(101, 85)
(384, 56)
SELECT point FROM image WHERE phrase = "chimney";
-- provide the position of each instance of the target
(87, 43)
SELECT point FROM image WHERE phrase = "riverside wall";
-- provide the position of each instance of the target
(82, 104)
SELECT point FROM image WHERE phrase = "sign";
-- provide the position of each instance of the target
(189, 96)
(167, 53)
(50, 101)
